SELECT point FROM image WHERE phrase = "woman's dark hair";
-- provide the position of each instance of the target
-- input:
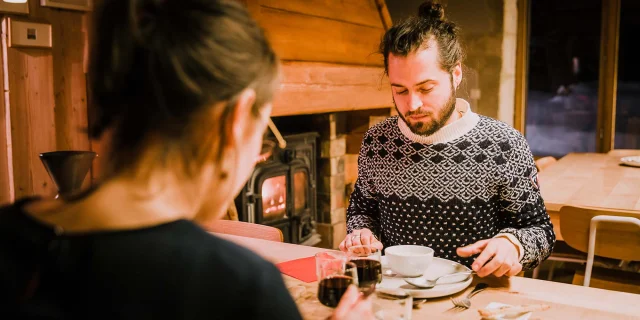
(158, 66)
(417, 32)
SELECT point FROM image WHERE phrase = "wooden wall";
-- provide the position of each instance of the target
(48, 104)
(329, 49)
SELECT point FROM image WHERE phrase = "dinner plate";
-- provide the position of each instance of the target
(438, 267)
(633, 161)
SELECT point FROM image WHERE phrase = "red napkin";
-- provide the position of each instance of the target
(302, 269)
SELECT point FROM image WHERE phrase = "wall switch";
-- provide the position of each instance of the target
(29, 34)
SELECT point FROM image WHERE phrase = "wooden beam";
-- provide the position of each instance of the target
(302, 37)
(522, 66)
(362, 12)
(318, 87)
(608, 89)
(384, 14)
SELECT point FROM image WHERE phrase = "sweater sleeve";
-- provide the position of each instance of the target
(363, 209)
(524, 215)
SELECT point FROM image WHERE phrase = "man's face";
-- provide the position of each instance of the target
(423, 93)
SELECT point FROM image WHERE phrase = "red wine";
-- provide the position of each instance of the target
(369, 272)
(331, 289)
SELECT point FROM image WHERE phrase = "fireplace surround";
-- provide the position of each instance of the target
(281, 191)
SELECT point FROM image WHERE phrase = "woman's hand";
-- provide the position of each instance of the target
(353, 306)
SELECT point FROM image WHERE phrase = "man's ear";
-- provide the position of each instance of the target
(240, 115)
(457, 75)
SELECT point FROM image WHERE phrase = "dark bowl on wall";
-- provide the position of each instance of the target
(67, 169)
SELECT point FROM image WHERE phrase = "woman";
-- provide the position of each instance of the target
(183, 88)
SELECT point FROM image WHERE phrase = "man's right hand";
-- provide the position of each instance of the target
(360, 237)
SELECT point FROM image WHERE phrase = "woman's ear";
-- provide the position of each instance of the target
(240, 116)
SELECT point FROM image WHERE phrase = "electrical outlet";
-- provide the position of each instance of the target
(29, 34)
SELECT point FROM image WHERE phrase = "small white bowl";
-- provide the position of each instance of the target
(409, 260)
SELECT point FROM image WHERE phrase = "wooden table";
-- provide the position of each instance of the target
(589, 180)
(566, 301)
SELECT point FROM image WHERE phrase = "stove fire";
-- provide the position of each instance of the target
(281, 191)
(274, 198)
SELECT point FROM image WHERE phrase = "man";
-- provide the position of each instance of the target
(440, 175)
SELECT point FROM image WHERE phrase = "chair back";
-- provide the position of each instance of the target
(615, 240)
(245, 229)
(544, 162)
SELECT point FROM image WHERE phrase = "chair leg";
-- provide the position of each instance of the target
(553, 266)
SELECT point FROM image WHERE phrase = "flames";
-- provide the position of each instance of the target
(274, 198)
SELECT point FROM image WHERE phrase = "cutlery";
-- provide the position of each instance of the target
(465, 303)
(423, 283)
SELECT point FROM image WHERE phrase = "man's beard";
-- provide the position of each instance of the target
(437, 120)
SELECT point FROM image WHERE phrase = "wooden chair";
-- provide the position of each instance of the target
(245, 229)
(624, 152)
(545, 162)
(606, 233)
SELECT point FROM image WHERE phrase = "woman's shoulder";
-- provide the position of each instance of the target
(209, 254)
(224, 253)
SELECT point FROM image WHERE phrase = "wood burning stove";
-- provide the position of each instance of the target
(281, 191)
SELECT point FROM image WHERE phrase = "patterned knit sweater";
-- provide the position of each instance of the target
(471, 180)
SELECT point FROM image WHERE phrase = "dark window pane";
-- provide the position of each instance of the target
(562, 97)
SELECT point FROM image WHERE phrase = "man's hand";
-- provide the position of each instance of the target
(360, 237)
(502, 253)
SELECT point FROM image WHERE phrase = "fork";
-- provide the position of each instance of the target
(465, 303)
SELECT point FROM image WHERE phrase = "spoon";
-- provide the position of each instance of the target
(423, 283)
(389, 273)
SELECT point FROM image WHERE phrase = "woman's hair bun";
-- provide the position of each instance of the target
(431, 11)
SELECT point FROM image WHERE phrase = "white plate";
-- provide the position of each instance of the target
(437, 268)
(631, 161)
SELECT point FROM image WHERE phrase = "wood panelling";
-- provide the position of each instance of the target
(32, 119)
(333, 44)
(6, 187)
(318, 87)
(364, 12)
(47, 99)
(69, 80)
(522, 65)
(608, 89)
(302, 37)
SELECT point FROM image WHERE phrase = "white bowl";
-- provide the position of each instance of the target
(409, 260)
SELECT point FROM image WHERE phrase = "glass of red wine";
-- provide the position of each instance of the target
(335, 275)
(367, 261)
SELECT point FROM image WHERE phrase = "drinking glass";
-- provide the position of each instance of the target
(392, 305)
(334, 276)
(367, 260)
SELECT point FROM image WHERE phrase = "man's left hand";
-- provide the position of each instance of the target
(502, 253)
